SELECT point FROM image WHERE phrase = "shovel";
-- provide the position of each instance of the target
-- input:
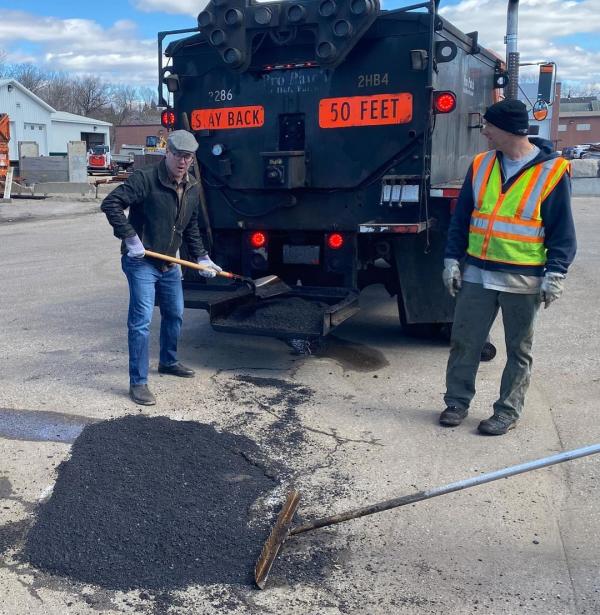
(283, 526)
(263, 288)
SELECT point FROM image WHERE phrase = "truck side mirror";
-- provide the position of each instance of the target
(546, 82)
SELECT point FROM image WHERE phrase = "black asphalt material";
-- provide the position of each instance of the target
(153, 503)
(292, 314)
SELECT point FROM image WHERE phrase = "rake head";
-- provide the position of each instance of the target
(278, 535)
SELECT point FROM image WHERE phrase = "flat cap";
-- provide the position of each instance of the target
(182, 141)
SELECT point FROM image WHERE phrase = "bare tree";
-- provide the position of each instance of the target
(29, 76)
(88, 96)
(59, 92)
(91, 96)
(124, 100)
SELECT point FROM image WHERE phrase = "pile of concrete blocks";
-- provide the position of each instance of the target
(586, 177)
(55, 174)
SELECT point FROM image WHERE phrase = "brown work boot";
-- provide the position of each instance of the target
(177, 369)
(453, 416)
(497, 425)
(140, 393)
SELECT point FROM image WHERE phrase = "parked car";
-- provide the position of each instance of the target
(567, 152)
(592, 153)
(579, 150)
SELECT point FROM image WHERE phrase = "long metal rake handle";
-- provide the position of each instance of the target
(457, 486)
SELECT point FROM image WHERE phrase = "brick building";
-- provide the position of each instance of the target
(579, 121)
(135, 134)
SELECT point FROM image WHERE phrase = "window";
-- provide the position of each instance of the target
(582, 127)
(562, 128)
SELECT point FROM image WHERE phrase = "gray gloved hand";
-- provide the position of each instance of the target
(451, 276)
(135, 247)
(552, 287)
(206, 262)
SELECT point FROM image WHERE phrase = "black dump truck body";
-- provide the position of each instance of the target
(333, 138)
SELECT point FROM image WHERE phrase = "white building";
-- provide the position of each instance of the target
(31, 119)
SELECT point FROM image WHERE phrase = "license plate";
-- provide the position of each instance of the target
(301, 255)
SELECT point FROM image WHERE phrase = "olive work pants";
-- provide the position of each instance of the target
(476, 310)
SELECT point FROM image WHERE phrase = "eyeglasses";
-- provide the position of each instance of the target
(183, 156)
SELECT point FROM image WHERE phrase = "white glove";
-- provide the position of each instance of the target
(135, 247)
(552, 287)
(451, 276)
(206, 262)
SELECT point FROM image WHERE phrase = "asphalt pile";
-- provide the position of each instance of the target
(153, 503)
(292, 314)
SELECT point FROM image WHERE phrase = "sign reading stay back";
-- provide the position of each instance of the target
(227, 118)
(376, 110)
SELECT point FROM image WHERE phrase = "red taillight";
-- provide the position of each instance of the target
(444, 102)
(335, 241)
(167, 118)
(258, 239)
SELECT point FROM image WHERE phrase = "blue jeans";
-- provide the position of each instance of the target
(145, 283)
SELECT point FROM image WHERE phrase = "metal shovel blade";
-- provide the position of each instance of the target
(276, 538)
(270, 286)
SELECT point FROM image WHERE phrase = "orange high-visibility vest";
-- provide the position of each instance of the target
(506, 227)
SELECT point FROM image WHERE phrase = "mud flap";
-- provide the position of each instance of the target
(422, 294)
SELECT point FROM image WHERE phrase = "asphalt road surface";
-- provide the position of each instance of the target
(352, 425)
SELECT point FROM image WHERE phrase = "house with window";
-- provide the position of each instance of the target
(33, 120)
(579, 121)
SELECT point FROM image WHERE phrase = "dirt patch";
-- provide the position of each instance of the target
(153, 503)
(351, 355)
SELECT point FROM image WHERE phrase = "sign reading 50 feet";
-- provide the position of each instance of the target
(376, 110)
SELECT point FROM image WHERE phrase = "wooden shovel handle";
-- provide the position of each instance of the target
(190, 264)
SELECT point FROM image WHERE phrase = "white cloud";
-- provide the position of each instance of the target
(541, 22)
(118, 54)
(80, 46)
(184, 7)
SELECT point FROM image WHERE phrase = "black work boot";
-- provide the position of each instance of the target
(453, 416)
(497, 425)
(140, 393)
(488, 352)
(177, 369)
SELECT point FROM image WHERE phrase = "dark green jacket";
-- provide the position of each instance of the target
(154, 212)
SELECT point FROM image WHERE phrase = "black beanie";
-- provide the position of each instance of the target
(510, 115)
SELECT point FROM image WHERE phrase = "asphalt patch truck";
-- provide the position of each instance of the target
(333, 140)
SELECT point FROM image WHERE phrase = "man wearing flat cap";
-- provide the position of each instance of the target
(510, 242)
(163, 211)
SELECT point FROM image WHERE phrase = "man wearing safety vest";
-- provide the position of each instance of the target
(510, 242)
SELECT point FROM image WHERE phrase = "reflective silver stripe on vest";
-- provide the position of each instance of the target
(536, 193)
(518, 229)
(479, 222)
(479, 178)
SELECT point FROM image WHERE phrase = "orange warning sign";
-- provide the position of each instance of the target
(227, 118)
(374, 110)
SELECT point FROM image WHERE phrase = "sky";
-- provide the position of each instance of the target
(116, 39)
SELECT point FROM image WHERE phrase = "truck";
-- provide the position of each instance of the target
(156, 143)
(333, 137)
